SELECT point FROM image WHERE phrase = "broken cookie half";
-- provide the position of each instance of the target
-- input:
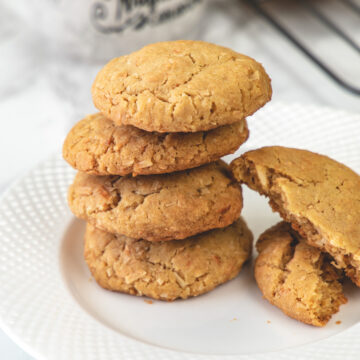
(297, 278)
(319, 197)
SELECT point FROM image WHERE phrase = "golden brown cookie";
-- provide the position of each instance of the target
(97, 146)
(296, 277)
(158, 207)
(167, 270)
(181, 86)
(317, 195)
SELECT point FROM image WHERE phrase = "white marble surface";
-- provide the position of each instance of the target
(43, 92)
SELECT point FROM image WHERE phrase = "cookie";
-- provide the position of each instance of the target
(181, 86)
(158, 207)
(97, 146)
(317, 195)
(296, 277)
(167, 270)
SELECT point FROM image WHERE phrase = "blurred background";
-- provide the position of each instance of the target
(51, 50)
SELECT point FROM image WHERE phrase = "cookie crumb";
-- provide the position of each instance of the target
(338, 322)
(148, 301)
(90, 279)
(234, 319)
(268, 321)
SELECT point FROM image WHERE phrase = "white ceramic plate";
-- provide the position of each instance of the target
(53, 309)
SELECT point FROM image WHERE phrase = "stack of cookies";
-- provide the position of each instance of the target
(163, 211)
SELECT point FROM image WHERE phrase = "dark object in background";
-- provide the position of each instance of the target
(269, 9)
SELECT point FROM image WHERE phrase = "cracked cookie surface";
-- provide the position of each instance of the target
(97, 146)
(319, 196)
(296, 277)
(167, 270)
(181, 86)
(158, 207)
